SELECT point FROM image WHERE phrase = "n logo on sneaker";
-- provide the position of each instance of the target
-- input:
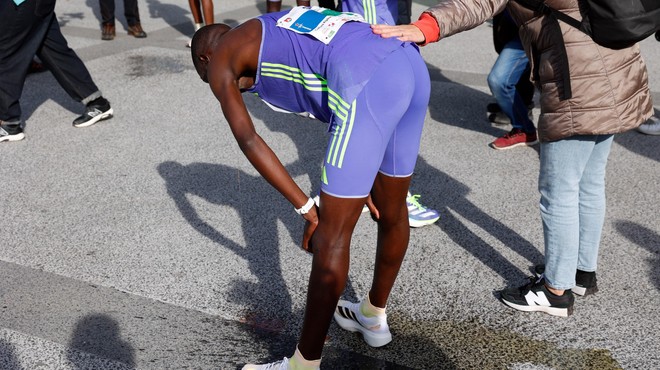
(537, 298)
(94, 113)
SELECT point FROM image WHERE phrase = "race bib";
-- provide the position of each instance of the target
(321, 23)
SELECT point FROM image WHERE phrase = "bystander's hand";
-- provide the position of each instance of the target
(404, 32)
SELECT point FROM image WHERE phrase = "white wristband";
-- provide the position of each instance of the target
(304, 209)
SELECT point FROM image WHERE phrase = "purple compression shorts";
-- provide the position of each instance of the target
(382, 129)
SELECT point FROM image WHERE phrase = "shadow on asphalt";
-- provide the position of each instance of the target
(461, 106)
(644, 145)
(310, 136)
(99, 334)
(447, 193)
(42, 87)
(647, 239)
(175, 16)
(8, 358)
(268, 298)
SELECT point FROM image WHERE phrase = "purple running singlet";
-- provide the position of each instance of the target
(372, 91)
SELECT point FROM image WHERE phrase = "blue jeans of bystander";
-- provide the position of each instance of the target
(572, 187)
(502, 79)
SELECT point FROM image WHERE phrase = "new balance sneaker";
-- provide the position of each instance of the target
(374, 330)
(650, 127)
(96, 110)
(585, 282)
(278, 365)
(536, 297)
(418, 215)
(11, 132)
(515, 137)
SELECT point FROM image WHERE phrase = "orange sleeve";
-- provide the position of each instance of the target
(429, 27)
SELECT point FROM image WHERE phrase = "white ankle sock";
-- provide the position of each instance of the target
(369, 310)
(298, 362)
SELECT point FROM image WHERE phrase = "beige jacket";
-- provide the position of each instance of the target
(610, 92)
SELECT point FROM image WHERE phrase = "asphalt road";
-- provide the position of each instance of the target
(148, 241)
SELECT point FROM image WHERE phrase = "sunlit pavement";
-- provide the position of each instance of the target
(148, 240)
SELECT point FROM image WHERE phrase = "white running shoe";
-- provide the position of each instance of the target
(283, 364)
(375, 330)
(650, 127)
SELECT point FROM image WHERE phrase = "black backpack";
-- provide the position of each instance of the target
(614, 24)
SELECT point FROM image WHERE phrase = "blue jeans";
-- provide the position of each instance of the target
(502, 79)
(572, 186)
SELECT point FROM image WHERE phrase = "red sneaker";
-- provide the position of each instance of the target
(514, 138)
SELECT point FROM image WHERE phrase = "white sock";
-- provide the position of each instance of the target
(369, 310)
(298, 362)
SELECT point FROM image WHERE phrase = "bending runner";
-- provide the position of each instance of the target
(372, 148)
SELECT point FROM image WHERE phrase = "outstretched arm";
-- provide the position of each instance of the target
(446, 18)
(423, 31)
(226, 73)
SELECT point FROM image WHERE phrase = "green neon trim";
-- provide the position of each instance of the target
(297, 80)
(309, 80)
(339, 143)
(324, 176)
(368, 7)
(348, 135)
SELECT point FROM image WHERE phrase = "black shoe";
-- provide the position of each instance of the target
(536, 297)
(11, 132)
(585, 282)
(95, 111)
(496, 116)
(493, 108)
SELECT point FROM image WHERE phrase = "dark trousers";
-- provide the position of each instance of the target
(24, 35)
(130, 12)
(405, 12)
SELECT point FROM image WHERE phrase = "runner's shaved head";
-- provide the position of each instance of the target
(203, 43)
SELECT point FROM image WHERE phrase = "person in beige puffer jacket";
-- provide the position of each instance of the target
(586, 97)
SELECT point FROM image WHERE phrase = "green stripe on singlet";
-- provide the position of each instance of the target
(315, 82)
(369, 11)
(309, 81)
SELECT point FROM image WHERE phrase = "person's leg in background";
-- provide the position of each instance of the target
(502, 79)
(196, 10)
(72, 75)
(207, 7)
(107, 19)
(21, 34)
(405, 12)
(132, 14)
